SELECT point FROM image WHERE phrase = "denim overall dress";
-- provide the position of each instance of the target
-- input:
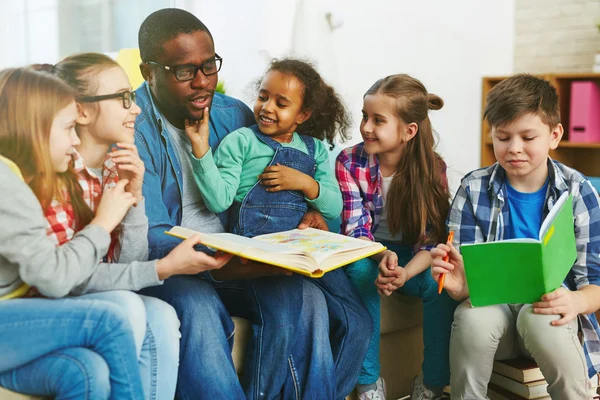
(262, 212)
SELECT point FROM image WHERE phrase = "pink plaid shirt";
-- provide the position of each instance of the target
(360, 183)
(60, 217)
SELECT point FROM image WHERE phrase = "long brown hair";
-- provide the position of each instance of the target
(29, 101)
(418, 200)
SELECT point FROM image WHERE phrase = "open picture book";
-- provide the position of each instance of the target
(522, 270)
(309, 252)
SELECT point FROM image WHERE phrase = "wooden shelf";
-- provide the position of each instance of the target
(584, 157)
(564, 144)
(571, 145)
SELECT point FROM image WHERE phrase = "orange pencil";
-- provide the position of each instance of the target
(443, 276)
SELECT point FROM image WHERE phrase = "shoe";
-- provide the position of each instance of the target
(375, 394)
(421, 392)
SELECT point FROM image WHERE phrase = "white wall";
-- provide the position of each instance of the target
(449, 45)
(556, 35)
(28, 32)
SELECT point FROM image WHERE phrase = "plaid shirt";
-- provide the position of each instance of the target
(358, 174)
(60, 217)
(480, 213)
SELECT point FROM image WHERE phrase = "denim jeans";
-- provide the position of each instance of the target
(312, 373)
(261, 211)
(438, 311)
(68, 348)
(156, 333)
(351, 328)
(281, 343)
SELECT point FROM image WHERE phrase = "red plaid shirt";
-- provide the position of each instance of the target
(60, 217)
(360, 182)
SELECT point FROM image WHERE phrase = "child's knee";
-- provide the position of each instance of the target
(83, 372)
(161, 319)
(480, 327)
(362, 271)
(539, 335)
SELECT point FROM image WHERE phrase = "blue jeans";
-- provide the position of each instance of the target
(438, 312)
(350, 326)
(156, 333)
(273, 305)
(69, 348)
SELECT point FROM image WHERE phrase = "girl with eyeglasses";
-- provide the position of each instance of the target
(57, 346)
(103, 156)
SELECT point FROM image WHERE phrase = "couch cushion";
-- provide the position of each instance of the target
(243, 330)
(6, 395)
(400, 312)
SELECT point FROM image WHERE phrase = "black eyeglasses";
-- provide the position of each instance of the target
(127, 98)
(188, 72)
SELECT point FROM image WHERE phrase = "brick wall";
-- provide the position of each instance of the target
(556, 35)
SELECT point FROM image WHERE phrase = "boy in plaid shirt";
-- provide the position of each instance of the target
(508, 200)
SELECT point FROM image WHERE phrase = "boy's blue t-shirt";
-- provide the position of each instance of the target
(525, 212)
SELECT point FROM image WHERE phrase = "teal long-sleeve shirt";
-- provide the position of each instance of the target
(233, 170)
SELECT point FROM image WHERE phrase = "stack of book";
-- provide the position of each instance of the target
(517, 379)
(520, 379)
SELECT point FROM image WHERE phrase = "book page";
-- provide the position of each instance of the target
(552, 214)
(267, 247)
(229, 242)
(319, 244)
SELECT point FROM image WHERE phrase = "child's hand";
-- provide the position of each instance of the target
(313, 219)
(391, 277)
(198, 133)
(456, 281)
(114, 204)
(279, 177)
(559, 302)
(130, 167)
(185, 260)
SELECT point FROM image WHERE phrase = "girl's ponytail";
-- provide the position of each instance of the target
(434, 102)
(418, 200)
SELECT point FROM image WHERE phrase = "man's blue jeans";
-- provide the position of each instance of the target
(351, 327)
(69, 348)
(281, 323)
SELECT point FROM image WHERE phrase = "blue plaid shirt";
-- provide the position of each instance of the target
(480, 213)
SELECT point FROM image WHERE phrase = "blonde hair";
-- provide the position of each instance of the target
(80, 70)
(29, 101)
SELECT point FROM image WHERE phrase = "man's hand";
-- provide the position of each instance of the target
(279, 177)
(313, 219)
(242, 269)
(198, 133)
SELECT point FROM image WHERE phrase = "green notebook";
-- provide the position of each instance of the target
(522, 270)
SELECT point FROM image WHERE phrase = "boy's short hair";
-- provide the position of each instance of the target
(162, 26)
(520, 95)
